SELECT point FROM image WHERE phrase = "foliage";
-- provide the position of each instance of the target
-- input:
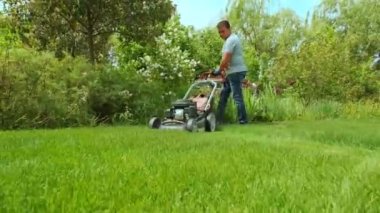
(118, 95)
(8, 40)
(83, 27)
(206, 48)
(167, 64)
(39, 91)
(269, 107)
(170, 62)
(357, 22)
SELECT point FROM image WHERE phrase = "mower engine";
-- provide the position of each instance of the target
(182, 110)
(179, 114)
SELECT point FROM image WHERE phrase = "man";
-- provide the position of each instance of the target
(233, 69)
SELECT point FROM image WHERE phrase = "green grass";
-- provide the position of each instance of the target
(331, 165)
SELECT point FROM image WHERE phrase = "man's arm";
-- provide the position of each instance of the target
(228, 50)
(225, 62)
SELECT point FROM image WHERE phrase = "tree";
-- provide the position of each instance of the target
(333, 55)
(264, 34)
(206, 46)
(357, 22)
(84, 27)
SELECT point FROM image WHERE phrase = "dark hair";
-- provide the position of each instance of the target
(224, 23)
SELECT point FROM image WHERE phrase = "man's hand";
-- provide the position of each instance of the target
(215, 72)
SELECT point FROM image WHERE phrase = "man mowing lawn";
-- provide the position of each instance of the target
(233, 69)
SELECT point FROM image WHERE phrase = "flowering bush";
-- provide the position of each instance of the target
(170, 61)
(156, 74)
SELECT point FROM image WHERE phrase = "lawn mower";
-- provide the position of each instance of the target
(194, 112)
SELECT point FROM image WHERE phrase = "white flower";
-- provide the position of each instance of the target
(147, 58)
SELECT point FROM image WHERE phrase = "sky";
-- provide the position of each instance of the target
(204, 13)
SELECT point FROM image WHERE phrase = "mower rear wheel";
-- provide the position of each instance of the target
(210, 123)
(155, 123)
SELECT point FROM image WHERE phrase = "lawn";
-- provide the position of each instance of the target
(307, 166)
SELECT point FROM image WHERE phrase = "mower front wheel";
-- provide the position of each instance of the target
(210, 124)
(191, 125)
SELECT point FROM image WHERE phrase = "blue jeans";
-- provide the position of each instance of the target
(233, 83)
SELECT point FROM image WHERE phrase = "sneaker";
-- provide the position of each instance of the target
(243, 122)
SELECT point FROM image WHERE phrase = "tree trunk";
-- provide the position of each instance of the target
(90, 35)
(91, 47)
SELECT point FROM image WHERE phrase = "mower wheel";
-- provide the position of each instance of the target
(210, 124)
(154, 123)
(191, 125)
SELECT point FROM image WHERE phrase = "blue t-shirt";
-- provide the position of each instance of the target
(233, 45)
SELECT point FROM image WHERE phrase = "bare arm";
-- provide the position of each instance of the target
(225, 62)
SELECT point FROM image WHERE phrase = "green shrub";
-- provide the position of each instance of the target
(119, 95)
(37, 90)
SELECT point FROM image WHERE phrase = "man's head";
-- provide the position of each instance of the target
(224, 29)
